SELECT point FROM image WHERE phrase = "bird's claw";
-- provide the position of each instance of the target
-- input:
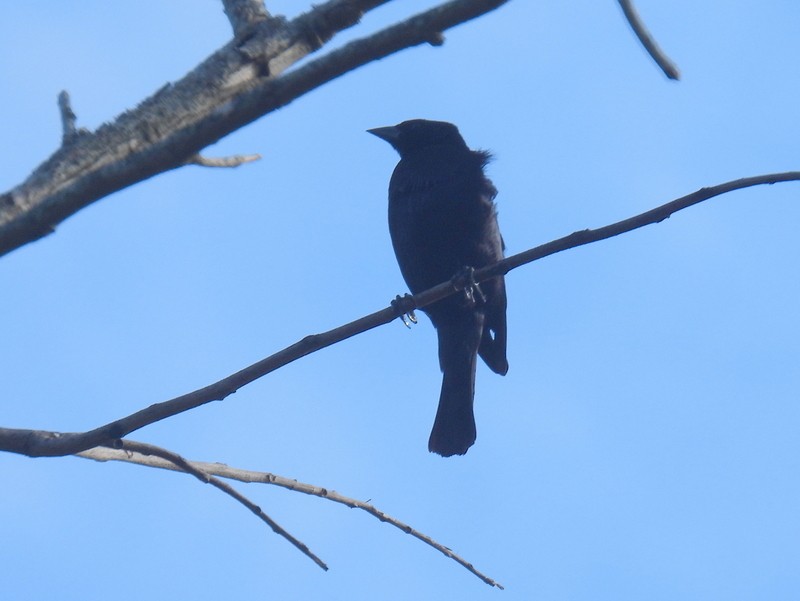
(404, 307)
(464, 280)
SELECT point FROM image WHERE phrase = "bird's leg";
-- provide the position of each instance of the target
(404, 307)
(465, 280)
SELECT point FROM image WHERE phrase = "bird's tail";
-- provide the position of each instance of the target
(493, 342)
(454, 427)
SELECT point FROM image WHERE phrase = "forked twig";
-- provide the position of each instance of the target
(225, 471)
(180, 464)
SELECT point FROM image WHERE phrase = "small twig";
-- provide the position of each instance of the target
(38, 443)
(244, 14)
(231, 161)
(68, 118)
(178, 463)
(669, 68)
(224, 471)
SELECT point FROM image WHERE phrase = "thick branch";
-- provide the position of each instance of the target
(37, 443)
(224, 471)
(233, 87)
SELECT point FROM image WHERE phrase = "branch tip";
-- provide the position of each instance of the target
(669, 68)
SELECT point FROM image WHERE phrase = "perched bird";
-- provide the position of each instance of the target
(442, 219)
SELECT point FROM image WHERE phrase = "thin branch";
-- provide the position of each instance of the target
(669, 68)
(224, 471)
(37, 443)
(180, 464)
(231, 161)
(650, 217)
(233, 87)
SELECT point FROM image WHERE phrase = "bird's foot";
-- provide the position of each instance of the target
(404, 307)
(464, 280)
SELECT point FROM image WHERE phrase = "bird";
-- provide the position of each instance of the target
(443, 220)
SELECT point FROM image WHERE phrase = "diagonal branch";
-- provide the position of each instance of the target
(236, 85)
(224, 471)
(178, 463)
(669, 68)
(37, 443)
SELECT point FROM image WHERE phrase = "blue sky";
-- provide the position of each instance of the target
(644, 443)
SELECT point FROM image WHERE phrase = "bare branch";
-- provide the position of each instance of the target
(178, 463)
(233, 87)
(224, 471)
(650, 217)
(244, 15)
(37, 443)
(231, 161)
(669, 68)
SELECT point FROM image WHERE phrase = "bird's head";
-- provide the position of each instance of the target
(417, 134)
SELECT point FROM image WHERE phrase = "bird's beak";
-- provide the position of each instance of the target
(391, 134)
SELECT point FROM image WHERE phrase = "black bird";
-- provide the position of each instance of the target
(442, 219)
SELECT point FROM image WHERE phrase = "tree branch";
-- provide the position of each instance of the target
(224, 471)
(233, 87)
(178, 463)
(669, 68)
(36, 443)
